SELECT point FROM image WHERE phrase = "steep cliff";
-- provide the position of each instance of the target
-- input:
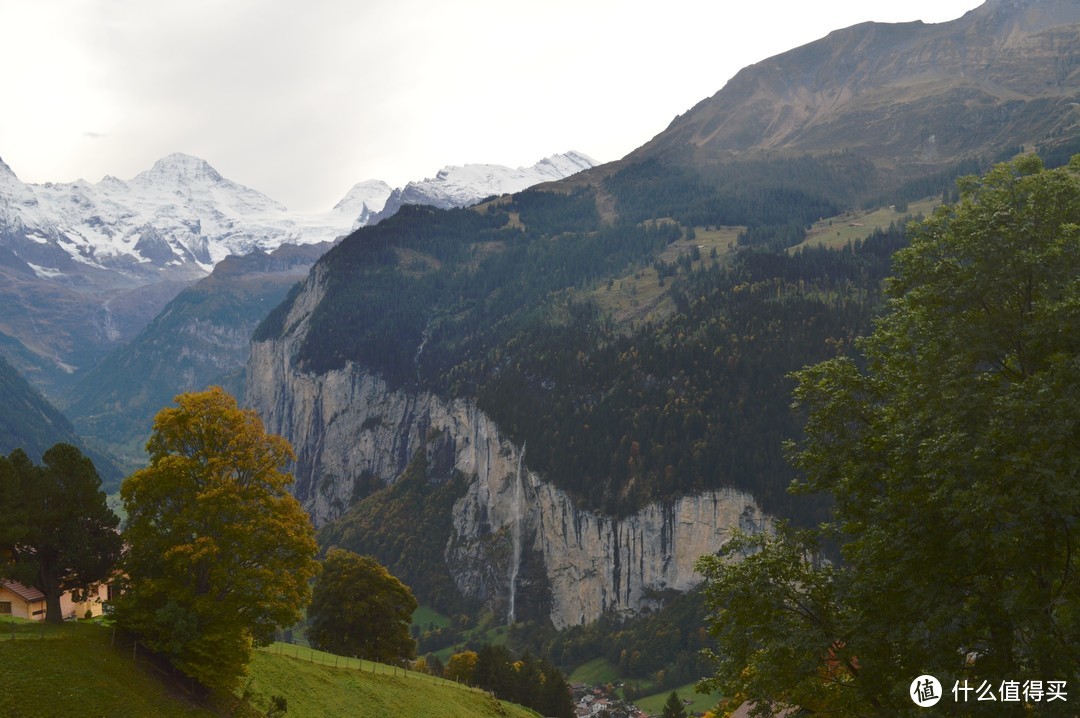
(349, 423)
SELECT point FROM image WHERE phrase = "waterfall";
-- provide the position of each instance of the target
(515, 564)
(420, 349)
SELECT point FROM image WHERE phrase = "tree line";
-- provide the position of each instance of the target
(215, 556)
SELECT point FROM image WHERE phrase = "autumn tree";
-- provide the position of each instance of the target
(461, 667)
(57, 532)
(220, 554)
(359, 609)
(951, 449)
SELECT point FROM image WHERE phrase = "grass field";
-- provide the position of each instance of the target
(837, 232)
(654, 704)
(425, 616)
(313, 686)
(600, 671)
(74, 670)
(71, 670)
(595, 672)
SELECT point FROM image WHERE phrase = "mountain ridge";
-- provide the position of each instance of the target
(907, 94)
(462, 185)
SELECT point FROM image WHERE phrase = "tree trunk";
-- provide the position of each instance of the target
(52, 606)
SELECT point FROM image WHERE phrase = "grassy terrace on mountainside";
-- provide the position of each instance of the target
(837, 232)
(73, 669)
(641, 297)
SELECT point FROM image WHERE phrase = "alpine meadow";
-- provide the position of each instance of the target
(776, 415)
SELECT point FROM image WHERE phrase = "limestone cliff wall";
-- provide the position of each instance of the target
(349, 422)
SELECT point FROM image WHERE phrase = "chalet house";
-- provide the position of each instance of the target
(26, 602)
(21, 601)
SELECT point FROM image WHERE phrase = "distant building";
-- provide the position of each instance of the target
(21, 601)
(26, 602)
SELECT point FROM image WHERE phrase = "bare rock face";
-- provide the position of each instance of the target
(575, 563)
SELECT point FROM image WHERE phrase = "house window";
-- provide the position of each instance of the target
(5, 608)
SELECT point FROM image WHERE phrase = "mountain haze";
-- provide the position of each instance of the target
(29, 422)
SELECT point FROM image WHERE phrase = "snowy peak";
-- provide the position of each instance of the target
(364, 201)
(5, 170)
(564, 165)
(181, 216)
(463, 185)
(179, 169)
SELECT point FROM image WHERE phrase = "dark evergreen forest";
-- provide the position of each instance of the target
(499, 303)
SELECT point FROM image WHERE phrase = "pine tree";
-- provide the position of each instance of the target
(55, 526)
(673, 707)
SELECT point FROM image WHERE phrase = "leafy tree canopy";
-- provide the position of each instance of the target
(461, 667)
(219, 553)
(57, 533)
(952, 452)
(359, 609)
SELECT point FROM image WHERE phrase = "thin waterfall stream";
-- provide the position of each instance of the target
(518, 507)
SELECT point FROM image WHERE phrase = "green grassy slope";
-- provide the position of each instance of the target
(317, 689)
(73, 670)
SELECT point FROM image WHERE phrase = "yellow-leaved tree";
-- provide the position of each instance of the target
(219, 553)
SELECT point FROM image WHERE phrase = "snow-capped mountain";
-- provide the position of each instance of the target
(364, 201)
(460, 186)
(84, 267)
(181, 217)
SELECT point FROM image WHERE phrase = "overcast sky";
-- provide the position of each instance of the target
(302, 99)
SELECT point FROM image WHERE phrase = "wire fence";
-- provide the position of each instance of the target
(311, 655)
(15, 630)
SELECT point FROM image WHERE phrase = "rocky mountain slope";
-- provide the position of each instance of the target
(910, 96)
(29, 422)
(599, 453)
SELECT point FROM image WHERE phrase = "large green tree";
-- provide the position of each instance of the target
(57, 533)
(359, 609)
(219, 553)
(951, 449)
